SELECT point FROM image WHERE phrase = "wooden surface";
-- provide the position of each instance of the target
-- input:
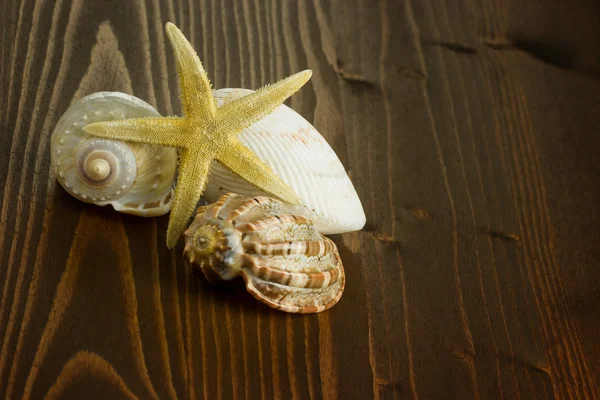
(470, 129)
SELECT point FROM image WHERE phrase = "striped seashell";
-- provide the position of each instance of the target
(285, 262)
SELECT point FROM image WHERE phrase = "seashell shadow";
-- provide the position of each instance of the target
(233, 294)
(225, 294)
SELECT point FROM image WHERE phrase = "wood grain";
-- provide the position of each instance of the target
(470, 130)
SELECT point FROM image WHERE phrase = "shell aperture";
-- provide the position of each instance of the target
(134, 178)
(285, 262)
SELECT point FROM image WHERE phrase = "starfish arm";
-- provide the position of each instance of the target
(193, 172)
(243, 112)
(196, 95)
(156, 131)
(243, 162)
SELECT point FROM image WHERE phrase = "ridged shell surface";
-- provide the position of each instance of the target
(300, 156)
(133, 178)
(285, 262)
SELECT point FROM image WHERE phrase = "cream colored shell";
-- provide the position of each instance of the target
(133, 178)
(300, 156)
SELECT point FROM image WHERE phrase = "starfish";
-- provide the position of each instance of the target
(206, 133)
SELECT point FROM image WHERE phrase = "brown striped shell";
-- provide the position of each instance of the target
(285, 262)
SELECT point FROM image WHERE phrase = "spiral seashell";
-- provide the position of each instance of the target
(285, 262)
(133, 178)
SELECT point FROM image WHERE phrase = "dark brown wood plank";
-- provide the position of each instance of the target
(469, 129)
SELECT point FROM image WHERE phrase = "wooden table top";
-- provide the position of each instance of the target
(469, 129)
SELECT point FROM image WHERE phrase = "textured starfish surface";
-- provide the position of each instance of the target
(206, 133)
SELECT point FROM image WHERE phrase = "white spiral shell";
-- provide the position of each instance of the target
(133, 178)
(303, 159)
